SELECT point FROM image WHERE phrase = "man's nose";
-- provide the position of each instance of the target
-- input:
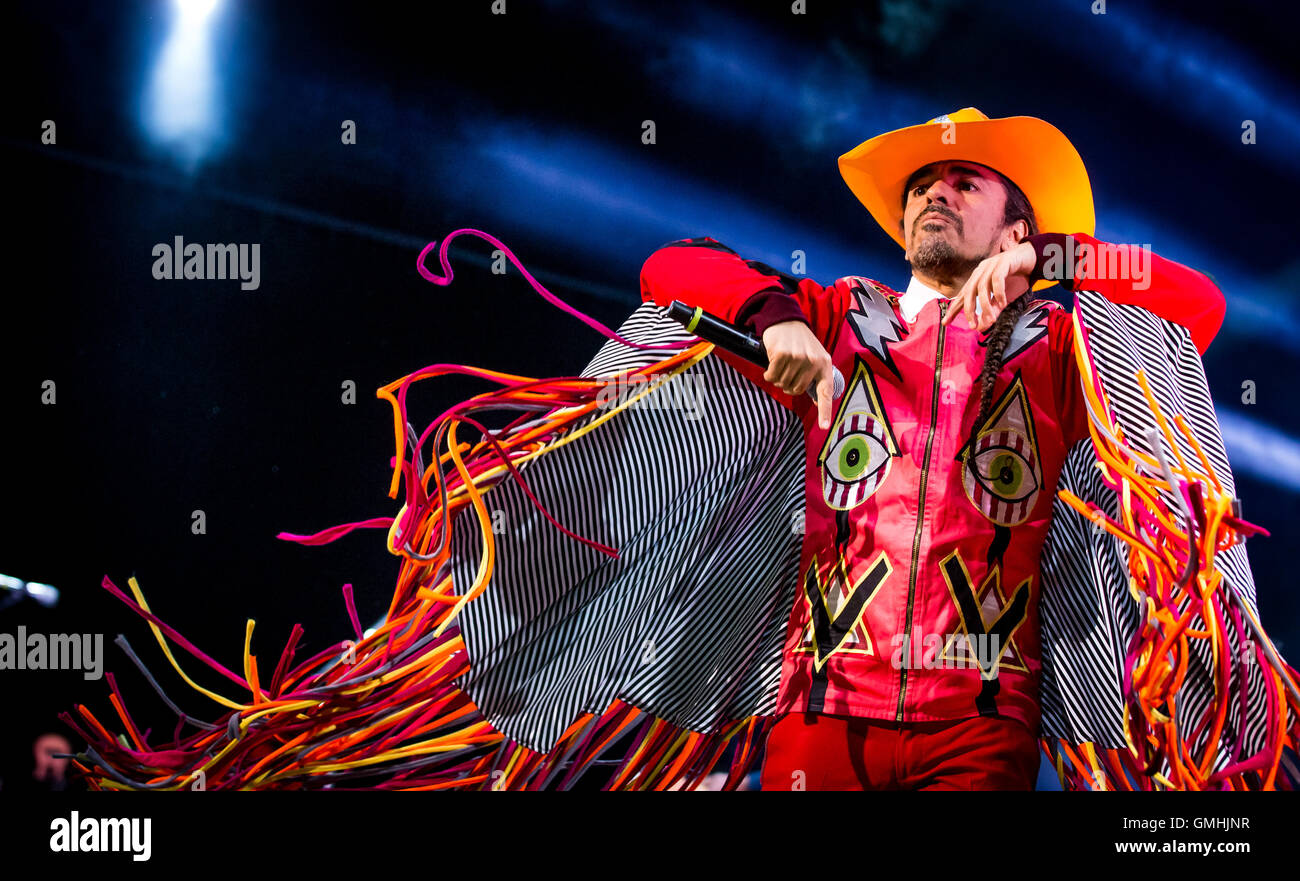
(939, 192)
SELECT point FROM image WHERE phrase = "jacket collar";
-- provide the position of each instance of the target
(915, 297)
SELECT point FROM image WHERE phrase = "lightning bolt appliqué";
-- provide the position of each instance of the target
(874, 322)
(1031, 327)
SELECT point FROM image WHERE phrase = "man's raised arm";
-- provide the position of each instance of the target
(796, 318)
(1171, 290)
(706, 273)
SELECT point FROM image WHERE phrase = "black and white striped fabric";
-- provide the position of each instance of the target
(698, 487)
(1088, 615)
(706, 512)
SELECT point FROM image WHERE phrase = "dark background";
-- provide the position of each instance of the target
(181, 395)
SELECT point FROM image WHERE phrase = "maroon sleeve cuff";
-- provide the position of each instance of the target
(767, 308)
(1057, 270)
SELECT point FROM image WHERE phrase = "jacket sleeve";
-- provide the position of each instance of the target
(706, 273)
(1170, 290)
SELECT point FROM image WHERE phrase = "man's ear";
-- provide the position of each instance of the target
(1014, 235)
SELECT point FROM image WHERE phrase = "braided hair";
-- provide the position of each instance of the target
(995, 346)
(995, 343)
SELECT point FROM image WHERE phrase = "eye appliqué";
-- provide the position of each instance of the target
(1002, 472)
(1002, 468)
(860, 447)
(857, 459)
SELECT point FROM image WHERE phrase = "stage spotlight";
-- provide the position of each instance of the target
(199, 9)
(180, 104)
(14, 589)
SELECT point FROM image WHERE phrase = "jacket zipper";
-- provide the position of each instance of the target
(920, 513)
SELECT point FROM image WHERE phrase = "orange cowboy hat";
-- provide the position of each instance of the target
(1032, 153)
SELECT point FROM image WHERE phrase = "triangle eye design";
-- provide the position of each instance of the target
(860, 447)
(1003, 473)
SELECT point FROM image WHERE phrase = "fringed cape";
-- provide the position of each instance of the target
(596, 593)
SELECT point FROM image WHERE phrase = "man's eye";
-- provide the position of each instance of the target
(918, 190)
(967, 183)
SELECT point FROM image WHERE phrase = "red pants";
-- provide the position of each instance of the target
(817, 751)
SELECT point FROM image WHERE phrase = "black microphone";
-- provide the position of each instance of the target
(735, 340)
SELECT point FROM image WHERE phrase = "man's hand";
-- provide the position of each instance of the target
(996, 281)
(796, 359)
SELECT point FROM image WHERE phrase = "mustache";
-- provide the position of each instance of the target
(938, 209)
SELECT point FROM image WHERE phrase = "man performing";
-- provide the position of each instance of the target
(1014, 529)
(930, 493)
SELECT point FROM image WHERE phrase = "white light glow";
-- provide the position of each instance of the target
(45, 594)
(1260, 450)
(180, 108)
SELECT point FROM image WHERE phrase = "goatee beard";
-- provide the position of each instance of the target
(937, 258)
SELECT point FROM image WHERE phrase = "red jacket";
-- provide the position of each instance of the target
(909, 528)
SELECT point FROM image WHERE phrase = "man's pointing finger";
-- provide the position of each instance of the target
(825, 388)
